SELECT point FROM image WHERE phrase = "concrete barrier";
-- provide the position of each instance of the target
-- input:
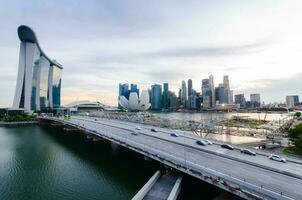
(175, 190)
(145, 189)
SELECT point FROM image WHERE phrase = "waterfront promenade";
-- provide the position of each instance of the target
(246, 176)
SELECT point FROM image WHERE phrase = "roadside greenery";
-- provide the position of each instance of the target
(298, 114)
(17, 118)
(295, 136)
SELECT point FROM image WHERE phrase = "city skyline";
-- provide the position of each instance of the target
(125, 42)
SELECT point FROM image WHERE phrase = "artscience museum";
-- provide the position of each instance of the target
(135, 103)
(39, 77)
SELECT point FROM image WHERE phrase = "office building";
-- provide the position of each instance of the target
(156, 97)
(240, 100)
(190, 88)
(134, 88)
(183, 94)
(221, 95)
(165, 97)
(206, 93)
(212, 87)
(39, 77)
(292, 101)
(255, 100)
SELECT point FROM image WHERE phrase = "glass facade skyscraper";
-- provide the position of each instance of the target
(39, 78)
(166, 99)
(156, 97)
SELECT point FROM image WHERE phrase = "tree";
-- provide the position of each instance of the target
(295, 135)
(298, 114)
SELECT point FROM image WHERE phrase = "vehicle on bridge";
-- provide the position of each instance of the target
(138, 128)
(248, 152)
(173, 134)
(208, 141)
(134, 132)
(227, 146)
(201, 142)
(277, 158)
(153, 130)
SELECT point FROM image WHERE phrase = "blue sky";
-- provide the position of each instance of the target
(101, 43)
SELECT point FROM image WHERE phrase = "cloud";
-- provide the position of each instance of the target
(277, 88)
(207, 51)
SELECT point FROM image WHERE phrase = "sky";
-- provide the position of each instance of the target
(101, 43)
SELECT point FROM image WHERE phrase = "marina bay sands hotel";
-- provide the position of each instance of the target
(39, 77)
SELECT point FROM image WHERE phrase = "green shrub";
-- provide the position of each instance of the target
(295, 135)
(298, 114)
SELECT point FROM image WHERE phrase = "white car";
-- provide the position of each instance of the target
(277, 158)
(208, 141)
(134, 132)
(138, 128)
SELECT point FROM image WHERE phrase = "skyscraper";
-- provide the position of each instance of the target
(206, 93)
(212, 87)
(39, 78)
(156, 97)
(174, 101)
(255, 100)
(134, 88)
(166, 99)
(184, 95)
(229, 92)
(190, 88)
(192, 99)
(123, 91)
(226, 83)
(292, 100)
(220, 93)
(239, 99)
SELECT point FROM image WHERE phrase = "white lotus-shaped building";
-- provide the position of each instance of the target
(134, 103)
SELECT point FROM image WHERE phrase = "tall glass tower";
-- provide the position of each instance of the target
(39, 78)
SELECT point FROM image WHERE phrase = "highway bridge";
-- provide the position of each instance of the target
(250, 177)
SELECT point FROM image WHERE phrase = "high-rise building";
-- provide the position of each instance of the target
(166, 98)
(228, 91)
(206, 93)
(231, 101)
(39, 77)
(156, 97)
(212, 86)
(174, 101)
(226, 83)
(123, 91)
(221, 94)
(192, 100)
(255, 100)
(134, 88)
(239, 99)
(184, 94)
(292, 101)
(190, 88)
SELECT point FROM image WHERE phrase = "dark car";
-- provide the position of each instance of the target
(174, 134)
(201, 142)
(227, 146)
(248, 152)
(153, 130)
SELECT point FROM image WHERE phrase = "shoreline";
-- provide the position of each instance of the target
(19, 123)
